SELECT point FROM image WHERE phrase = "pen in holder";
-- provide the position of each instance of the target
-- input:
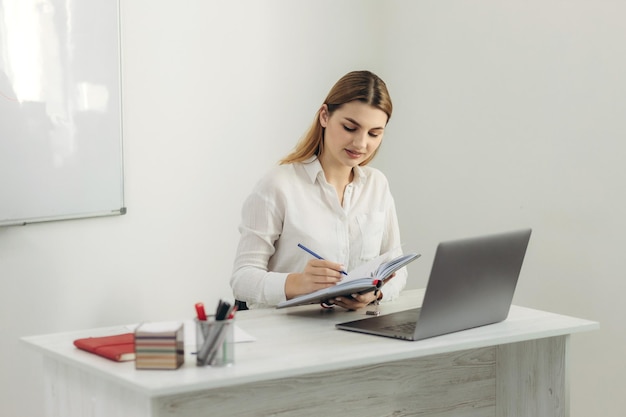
(215, 342)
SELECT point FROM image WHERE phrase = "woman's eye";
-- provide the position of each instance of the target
(374, 135)
(349, 129)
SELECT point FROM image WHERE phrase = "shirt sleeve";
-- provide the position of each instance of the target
(251, 280)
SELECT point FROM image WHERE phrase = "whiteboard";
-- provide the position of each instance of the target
(60, 110)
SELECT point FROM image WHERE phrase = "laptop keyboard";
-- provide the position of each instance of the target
(408, 327)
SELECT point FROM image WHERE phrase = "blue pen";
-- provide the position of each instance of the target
(301, 246)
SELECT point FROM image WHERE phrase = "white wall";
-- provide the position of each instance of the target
(508, 114)
(512, 114)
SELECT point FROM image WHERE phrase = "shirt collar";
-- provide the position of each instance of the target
(359, 174)
(313, 168)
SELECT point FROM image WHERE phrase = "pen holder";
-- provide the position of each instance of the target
(215, 342)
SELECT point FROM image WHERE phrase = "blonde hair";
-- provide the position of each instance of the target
(363, 86)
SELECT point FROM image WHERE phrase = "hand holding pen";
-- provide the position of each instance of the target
(318, 273)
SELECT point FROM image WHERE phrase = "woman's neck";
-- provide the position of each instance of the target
(338, 176)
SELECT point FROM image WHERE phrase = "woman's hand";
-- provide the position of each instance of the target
(356, 301)
(317, 274)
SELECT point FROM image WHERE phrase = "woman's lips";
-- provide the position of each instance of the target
(354, 154)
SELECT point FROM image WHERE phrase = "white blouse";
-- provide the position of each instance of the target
(294, 204)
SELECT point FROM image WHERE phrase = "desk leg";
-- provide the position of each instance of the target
(532, 379)
(71, 392)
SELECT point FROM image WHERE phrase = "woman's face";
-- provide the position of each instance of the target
(352, 133)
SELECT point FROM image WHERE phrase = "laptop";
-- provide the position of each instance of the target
(471, 284)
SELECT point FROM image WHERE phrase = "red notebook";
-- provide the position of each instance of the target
(118, 348)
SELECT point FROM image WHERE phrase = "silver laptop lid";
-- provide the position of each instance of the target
(472, 282)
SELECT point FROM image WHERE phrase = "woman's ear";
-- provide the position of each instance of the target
(324, 115)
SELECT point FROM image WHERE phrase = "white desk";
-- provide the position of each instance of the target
(301, 365)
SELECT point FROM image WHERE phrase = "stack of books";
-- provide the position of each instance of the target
(159, 345)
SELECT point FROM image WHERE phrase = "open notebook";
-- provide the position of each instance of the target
(367, 277)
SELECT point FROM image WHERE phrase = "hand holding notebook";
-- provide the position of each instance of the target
(362, 279)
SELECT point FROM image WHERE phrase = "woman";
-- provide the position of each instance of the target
(323, 196)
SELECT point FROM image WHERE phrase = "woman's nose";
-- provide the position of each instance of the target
(360, 140)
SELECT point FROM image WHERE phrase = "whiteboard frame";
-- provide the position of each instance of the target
(113, 203)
